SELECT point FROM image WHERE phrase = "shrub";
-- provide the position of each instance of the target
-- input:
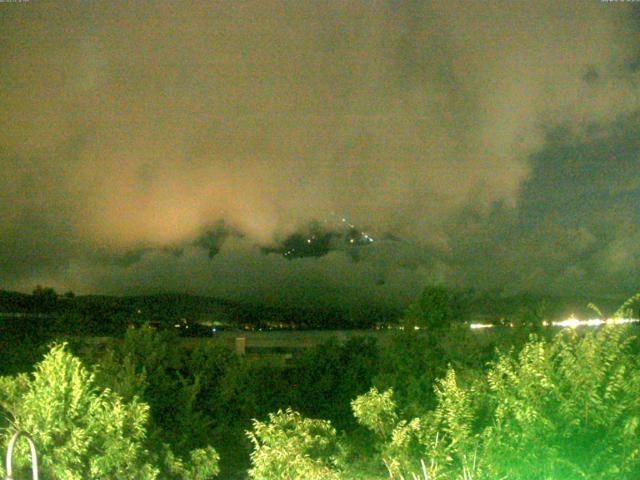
(566, 409)
(291, 447)
(180, 386)
(82, 431)
(562, 409)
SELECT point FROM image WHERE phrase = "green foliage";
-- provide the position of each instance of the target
(568, 408)
(291, 447)
(630, 308)
(202, 464)
(207, 394)
(626, 310)
(80, 431)
(562, 409)
(325, 379)
(595, 309)
(181, 387)
(454, 414)
(443, 435)
(409, 367)
(376, 411)
(415, 358)
(412, 361)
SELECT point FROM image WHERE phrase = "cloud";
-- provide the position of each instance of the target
(242, 271)
(142, 126)
(575, 228)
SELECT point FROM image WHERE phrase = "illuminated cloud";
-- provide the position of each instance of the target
(141, 127)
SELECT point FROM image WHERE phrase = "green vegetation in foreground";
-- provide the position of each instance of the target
(565, 409)
(451, 405)
(82, 431)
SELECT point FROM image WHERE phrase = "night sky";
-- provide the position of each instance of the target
(186, 147)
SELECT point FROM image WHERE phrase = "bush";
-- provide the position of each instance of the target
(180, 386)
(568, 409)
(82, 431)
(291, 447)
(326, 378)
(565, 409)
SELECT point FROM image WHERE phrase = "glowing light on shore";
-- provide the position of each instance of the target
(571, 322)
(475, 326)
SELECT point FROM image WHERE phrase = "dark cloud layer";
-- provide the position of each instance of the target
(496, 141)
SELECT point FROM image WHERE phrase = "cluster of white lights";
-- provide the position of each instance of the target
(312, 239)
(571, 322)
(366, 236)
(344, 220)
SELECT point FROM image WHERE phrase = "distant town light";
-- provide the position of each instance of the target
(481, 325)
(571, 322)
